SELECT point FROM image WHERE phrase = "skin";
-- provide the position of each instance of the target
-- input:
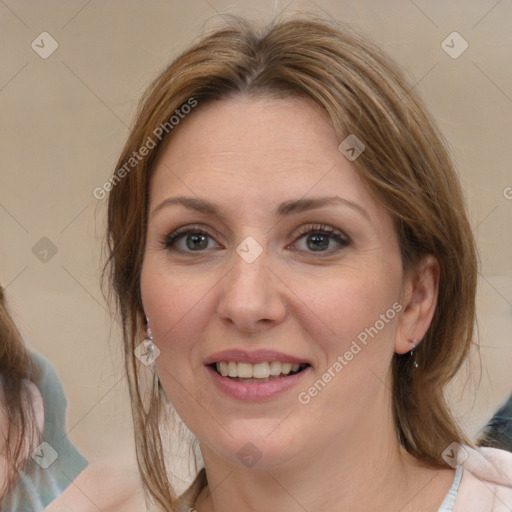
(338, 452)
(102, 485)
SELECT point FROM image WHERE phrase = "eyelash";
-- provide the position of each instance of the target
(185, 230)
(321, 229)
(317, 229)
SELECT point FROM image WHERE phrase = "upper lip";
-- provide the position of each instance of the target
(253, 357)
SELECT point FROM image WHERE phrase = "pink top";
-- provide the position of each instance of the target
(486, 483)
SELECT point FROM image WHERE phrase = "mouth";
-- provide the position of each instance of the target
(266, 371)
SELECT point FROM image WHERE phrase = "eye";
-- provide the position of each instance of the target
(320, 238)
(189, 239)
(311, 238)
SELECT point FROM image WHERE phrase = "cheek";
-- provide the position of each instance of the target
(178, 309)
(352, 323)
(348, 306)
(167, 293)
(177, 312)
(175, 309)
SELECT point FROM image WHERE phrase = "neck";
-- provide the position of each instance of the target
(363, 470)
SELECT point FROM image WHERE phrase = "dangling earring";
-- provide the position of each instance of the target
(147, 352)
(148, 341)
(415, 363)
(147, 375)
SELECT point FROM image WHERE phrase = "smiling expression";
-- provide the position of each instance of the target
(265, 177)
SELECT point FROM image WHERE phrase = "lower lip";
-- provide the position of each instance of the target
(256, 391)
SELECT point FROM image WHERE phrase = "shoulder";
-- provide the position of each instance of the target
(486, 484)
(102, 486)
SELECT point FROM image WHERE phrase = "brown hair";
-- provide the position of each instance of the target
(406, 165)
(15, 397)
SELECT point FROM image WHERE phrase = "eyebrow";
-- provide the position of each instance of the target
(285, 209)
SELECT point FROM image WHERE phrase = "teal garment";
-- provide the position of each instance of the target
(60, 462)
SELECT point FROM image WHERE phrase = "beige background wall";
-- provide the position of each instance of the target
(64, 119)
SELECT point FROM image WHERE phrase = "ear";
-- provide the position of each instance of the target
(419, 300)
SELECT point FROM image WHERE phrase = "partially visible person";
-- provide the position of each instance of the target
(21, 414)
(37, 460)
(498, 432)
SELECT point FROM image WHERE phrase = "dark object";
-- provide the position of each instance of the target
(498, 432)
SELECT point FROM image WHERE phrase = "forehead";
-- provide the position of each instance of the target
(266, 149)
(254, 125)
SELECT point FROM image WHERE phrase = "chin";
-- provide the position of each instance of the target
(259, 446)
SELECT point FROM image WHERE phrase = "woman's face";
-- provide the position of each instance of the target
(264, 244)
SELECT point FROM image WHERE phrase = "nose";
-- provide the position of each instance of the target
(252, 297)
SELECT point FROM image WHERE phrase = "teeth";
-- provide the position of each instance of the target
(256, 371)
(287, 368)
(232, 369)
(245, 370)
(260, 370)
(275, 368)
